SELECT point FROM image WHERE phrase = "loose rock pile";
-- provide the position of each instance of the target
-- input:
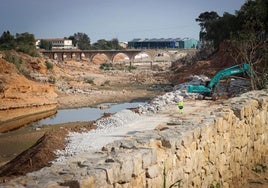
(83, 142)
(179, 93)
(117, 120)
(234, 87)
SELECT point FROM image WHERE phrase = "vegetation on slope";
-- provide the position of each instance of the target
(245, 32)
(23, 42)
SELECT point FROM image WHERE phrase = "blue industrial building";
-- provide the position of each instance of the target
(163, 43)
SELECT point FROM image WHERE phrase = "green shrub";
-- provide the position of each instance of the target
(105, 66)
(259, 168)
(130, 68)
(14, 59)
(27, 49)
(49, 65)
(218, 185)
(24, 71)
(52, 80)
(90, 80)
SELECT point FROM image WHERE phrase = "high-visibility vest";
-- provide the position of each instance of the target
(180, 103)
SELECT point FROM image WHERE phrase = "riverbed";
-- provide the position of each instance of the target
(14, 142)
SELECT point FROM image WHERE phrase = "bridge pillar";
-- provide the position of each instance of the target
(91, 56)
(58, 56)
(67, 55)
(110, 56)
(131, 56)
(55, 56)
(76, 56)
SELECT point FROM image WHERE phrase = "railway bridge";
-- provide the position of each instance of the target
(110, 54)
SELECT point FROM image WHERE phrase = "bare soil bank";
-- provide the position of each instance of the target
(41, 143)
(18, 117)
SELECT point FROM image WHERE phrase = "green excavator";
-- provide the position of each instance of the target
(207, 89)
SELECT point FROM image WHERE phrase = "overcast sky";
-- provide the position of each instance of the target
(108, 19)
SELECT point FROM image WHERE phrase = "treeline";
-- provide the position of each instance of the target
(82, 41)
(23, 42)
(246, 34)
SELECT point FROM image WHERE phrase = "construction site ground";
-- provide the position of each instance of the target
(97, 87)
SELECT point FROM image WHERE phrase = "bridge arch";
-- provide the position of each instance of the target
(154, 54)
(95, 55)
(143, 56)
(122, 54)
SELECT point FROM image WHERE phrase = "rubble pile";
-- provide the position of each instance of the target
(179, 93)
(117, 120)
(234, 87)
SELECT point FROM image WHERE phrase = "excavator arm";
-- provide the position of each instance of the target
(207, 90)
(237, 69)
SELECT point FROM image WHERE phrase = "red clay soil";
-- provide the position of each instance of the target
(216, 62)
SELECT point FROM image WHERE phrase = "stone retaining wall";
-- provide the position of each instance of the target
(221, 149)
(218, 146)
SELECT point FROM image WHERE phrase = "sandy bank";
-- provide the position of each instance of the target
(16, 117)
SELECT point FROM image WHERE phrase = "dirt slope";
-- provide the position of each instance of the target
(209, 66)
(16, 90)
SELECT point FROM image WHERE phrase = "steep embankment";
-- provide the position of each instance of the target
(202, 63)
(23, 100)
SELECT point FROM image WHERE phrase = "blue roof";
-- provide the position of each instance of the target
(156, 40)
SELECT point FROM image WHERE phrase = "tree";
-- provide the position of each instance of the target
(7, 41)
(115, 44)
(249, 48)
(222, 29)
(215, 29)
(44, 44)
(205, 20)
(253, 16)
(81, 40)
(103, 44)
(250, 42)
(246, 31)
(25, 42)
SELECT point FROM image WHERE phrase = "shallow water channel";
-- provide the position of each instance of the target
(14, 142)
(86, 113)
